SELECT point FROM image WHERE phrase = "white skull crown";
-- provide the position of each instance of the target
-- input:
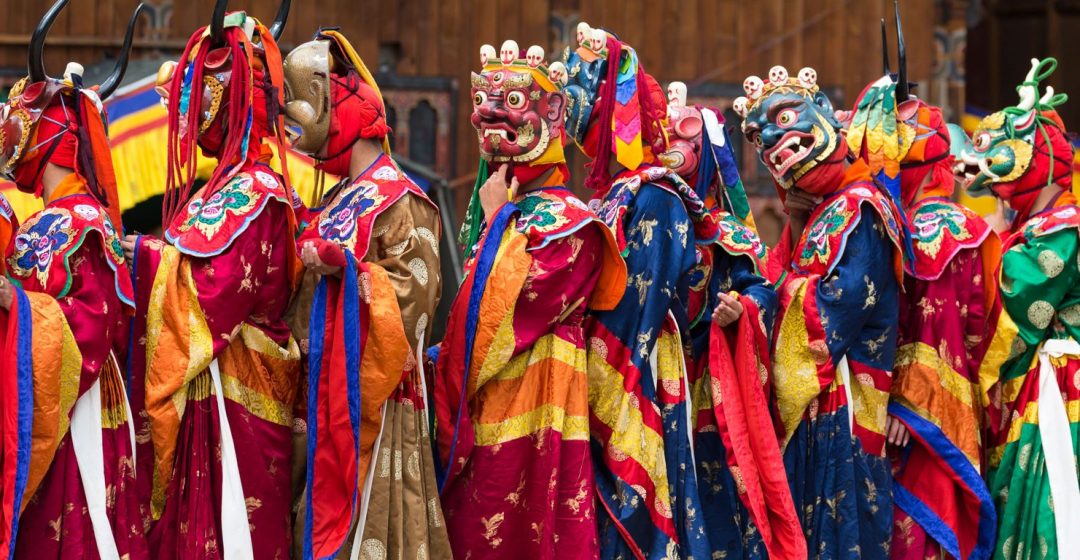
(534, 58)
(676, 94)
(778, 76)
(584, 33)
(509, 53)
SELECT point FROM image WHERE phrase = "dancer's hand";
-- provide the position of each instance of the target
(896, 432)
(728, 310)
(799, 204)
(128, 244)
(494, 192)
(314, 258)
(7, 292)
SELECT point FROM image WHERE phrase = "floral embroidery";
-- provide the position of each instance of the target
(818, 244)
(385, 173)
(338, 224)
(1049, 223)
(268, 180)
(113, 240)
(541, 214)
(739, 239)
(39, 244)
(86, 212)
(6, 211)
(933, 222)
(207, 216)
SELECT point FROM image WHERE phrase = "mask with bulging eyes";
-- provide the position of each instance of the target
(515, 118)
(793, 133)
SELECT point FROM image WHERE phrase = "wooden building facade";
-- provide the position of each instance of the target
(425, 49)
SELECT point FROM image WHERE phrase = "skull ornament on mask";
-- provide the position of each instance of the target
(517, 109)
(792, 125)
(683, 127)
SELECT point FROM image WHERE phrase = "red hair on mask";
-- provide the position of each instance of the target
(253, 90)
(355, 112)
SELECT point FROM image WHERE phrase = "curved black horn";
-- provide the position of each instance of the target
(902, 90)
(113, 81)
(217, 21)
(280, 19)
(35, 64)
(885, 49)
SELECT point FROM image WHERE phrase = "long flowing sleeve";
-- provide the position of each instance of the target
(191, 311)
(852, 311)
(406, 245)
(511, 390)
(637, 393)
(659, 252)
(1036, 279)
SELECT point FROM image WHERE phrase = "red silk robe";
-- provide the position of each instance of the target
(211, 338)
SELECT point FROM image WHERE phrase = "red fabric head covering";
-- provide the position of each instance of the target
(355, 112)
(929, 154)
(56, 142)
(654, 113)
(71, 134)
(826, 177)
(1021, 193)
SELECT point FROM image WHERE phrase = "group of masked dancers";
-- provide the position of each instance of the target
(633, 377)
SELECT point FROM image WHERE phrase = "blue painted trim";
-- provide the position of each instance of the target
(484, 263)
(316, 343)
(25, 374)
(973, 481)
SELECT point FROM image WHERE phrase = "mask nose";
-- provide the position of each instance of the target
(770, 135)
(491, 110)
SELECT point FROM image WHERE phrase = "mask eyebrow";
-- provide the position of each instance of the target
(780, 106)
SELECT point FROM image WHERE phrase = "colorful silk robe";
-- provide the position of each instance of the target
(365, 335)
(948, 310)
(1035, 405)
(79, 494)
(834, 352)
(638, 392)
(221, 371)
(736, 451)
(510, 391)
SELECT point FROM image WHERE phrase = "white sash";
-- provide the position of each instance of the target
(86, 441)
(1057, 445)
(235, 530)
(845, 376)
